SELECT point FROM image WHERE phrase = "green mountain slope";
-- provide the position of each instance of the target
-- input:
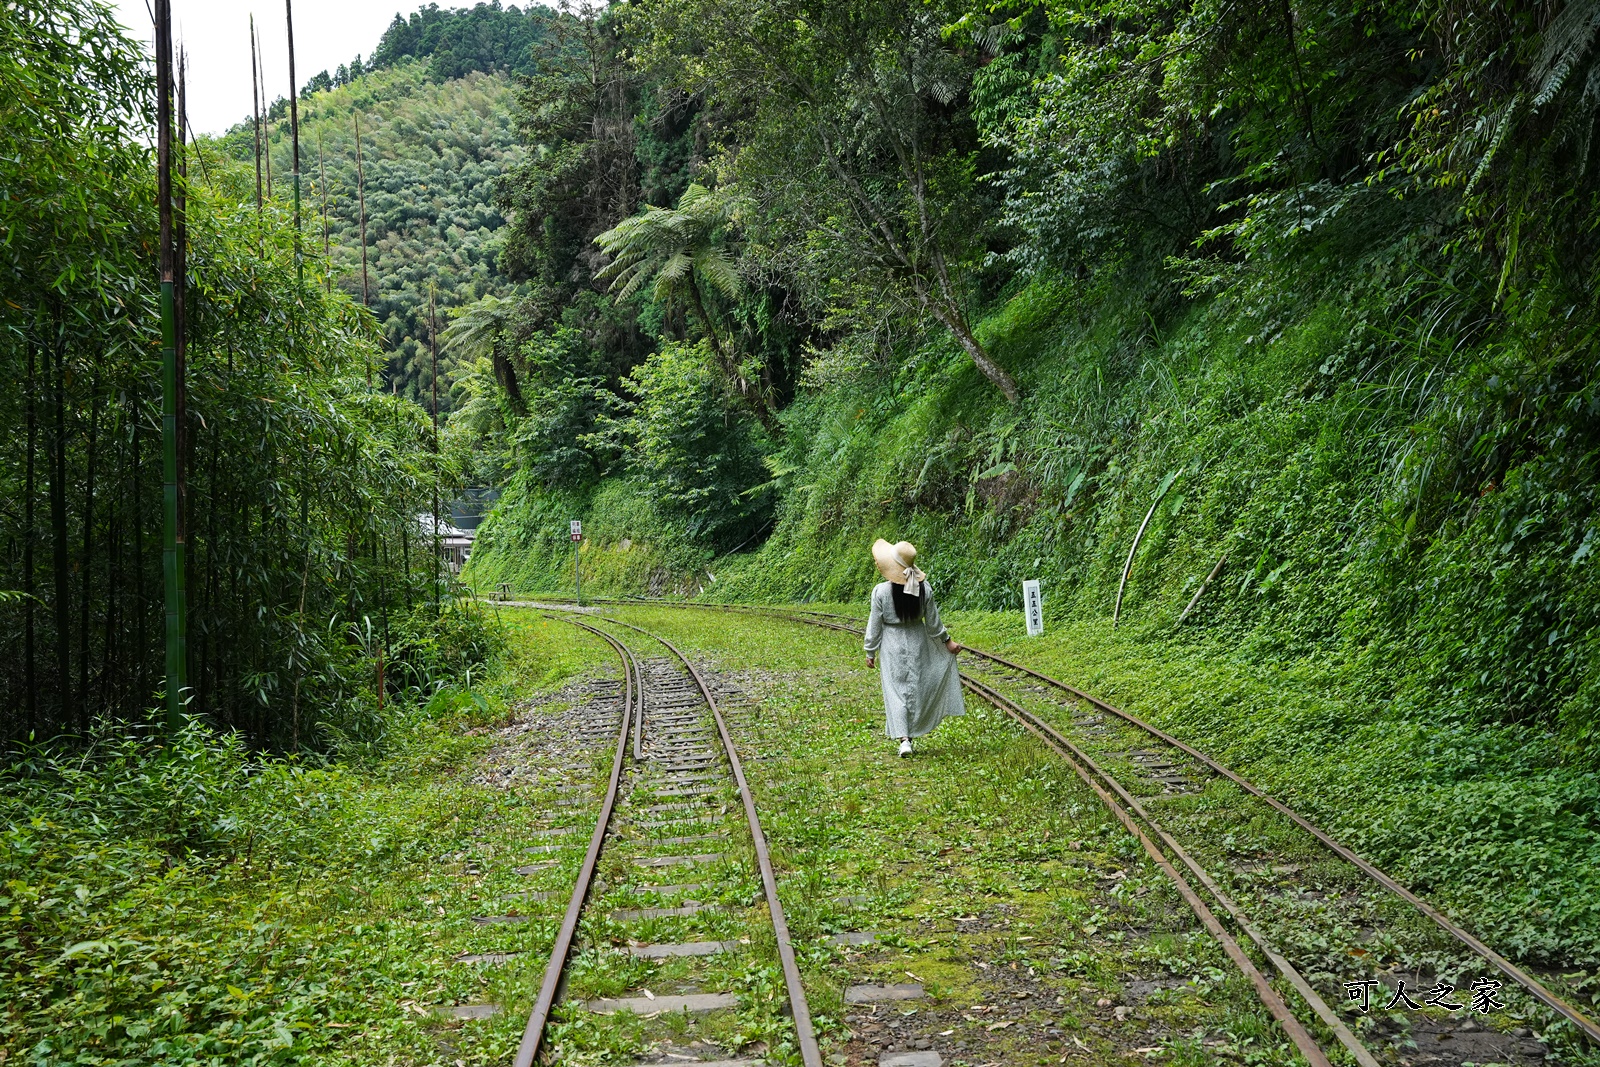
(432, 152)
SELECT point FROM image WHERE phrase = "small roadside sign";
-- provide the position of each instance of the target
(1033, 607)
(577, 530)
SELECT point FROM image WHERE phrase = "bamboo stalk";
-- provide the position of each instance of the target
(172, 543)
(266, 118)
(294, 136)
(361, 199)
(1197, 593)
(255, 103)
(433, 345)
(327, 253)
(86, 589)
(30, 695)
(62, 575)
(180, 294)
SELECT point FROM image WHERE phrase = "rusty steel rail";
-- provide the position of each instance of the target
(1529, 984)
(555, 972)
(1078, 760)
(800, 1008)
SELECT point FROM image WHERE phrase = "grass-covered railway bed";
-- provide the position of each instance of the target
(399, 907)
(1021, 923)
(1336, 928)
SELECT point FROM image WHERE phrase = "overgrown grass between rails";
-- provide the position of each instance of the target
(1486, 822)
(190, 902)
(984, 825)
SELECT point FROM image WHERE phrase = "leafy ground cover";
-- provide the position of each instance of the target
(202, 905)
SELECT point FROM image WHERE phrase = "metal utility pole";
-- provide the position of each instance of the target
(294, 135)
(172, 561)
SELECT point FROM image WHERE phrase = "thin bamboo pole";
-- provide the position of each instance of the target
(180, 294)
(1198, 593)
(327, 253)
(87, 563)
(255, 103)
(294, 135)
(30, 680)
(266, 123)
(172, 541)
(433, 345)
(1127, 568)
(361, 199)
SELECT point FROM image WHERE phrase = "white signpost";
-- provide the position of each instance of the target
(1033, 607)
(577, 580)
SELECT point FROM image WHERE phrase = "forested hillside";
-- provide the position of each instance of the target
(431, 153)
(437, 130)
(1318, 287)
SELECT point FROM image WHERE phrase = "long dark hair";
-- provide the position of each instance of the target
(908, 607)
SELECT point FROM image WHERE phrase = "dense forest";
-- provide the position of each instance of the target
(307, 567)
(1315, 290)
(431, 155)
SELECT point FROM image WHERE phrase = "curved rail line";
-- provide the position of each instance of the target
(555, 973)
(1531, 985)
(634, 705)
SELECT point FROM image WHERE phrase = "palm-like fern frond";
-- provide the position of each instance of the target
(472, 335)
(677, 247)
(1567, 40)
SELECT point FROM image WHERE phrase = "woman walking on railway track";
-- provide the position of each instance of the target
(921, 683)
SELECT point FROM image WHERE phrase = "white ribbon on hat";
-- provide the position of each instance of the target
(914, 577)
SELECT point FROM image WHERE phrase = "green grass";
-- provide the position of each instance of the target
(198, 905)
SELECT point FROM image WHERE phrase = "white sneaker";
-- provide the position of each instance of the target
(905, 749)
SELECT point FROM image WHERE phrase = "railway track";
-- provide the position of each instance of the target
(664, 832)
(1135, 768)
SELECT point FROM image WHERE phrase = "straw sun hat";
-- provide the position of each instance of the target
(898, 564)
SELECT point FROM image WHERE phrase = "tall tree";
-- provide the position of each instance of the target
(683, 250)
(852, 132)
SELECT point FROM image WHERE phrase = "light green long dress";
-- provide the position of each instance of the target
(921, 682)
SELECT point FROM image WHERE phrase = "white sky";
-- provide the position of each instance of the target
(217, 36)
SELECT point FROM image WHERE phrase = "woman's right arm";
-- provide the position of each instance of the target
(874, 638)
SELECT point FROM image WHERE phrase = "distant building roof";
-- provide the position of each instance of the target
(446, 532)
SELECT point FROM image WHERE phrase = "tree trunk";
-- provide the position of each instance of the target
(956, 323)
(759, 405)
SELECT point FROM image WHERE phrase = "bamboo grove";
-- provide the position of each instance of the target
(309, 577)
